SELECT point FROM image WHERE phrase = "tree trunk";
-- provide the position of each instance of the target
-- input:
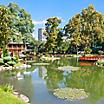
(77, 49)
(53, 50)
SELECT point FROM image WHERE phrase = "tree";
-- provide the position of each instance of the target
(52, 33)
(59, 41)
(86, 29)
(22, 22)
(65, 46)
(5, 26)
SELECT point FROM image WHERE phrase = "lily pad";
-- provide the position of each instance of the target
(70, 93)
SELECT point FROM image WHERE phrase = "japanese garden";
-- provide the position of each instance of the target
(66, 68)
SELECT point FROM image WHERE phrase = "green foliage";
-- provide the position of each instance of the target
(16, 58)
(18, 64)
(8, 98)
(7, 88)
(86, 29)
(52, 32)
(22, 23)
(15, 22)
(7, 58)
(5, 52)
(1, 62)
(87, 50)
(11, 63)
(64, 46)
(5, 25)
(100, 62)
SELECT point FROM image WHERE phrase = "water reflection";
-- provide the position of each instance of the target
(38, 83)
(90, 80)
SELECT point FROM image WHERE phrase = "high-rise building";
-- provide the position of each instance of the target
(41, 36)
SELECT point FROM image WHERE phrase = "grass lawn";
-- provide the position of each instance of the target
(8, 98)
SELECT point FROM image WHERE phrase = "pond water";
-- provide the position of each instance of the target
(38, 82)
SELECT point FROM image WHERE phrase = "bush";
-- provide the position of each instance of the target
(11, 63)
(5, 52)
(7, 88)
(1, 62)
(7, 58)
(16, 58)
(99, 62)
(87, 50)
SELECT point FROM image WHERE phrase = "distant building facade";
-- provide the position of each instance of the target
(41, 36)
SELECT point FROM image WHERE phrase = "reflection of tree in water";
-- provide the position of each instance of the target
(90, 80)
(42, 72)
(6, 77)
(64, 62)
(24, 86)
(57, 79)
(54, 79)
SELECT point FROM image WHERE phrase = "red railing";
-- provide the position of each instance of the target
(91, 58)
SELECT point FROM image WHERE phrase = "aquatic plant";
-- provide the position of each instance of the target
(70, 93)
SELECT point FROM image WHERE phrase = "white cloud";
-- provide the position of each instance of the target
(39, 22)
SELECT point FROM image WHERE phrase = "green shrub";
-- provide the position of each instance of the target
(5, 52)
(7, 58)
(1, 62)
(87, 50)
(7, 88)
(11, 63)
(100, 62)
(16, 58)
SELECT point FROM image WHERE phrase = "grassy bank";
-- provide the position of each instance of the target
(9, 98)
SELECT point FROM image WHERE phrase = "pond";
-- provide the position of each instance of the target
(38, 82)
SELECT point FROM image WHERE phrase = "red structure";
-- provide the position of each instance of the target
(86, 63)
(15, 48)
(91, 58)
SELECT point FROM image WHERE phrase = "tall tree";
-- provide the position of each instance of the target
(86, 29)
(52, 33)
(22, 22)
(5, 25)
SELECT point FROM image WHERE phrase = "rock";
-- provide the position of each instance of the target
(15, 93)
(24, 98)
(21, 96)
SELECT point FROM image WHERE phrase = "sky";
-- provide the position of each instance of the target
(41, 10)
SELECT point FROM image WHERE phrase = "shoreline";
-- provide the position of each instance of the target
(24, 66)
(21, 97)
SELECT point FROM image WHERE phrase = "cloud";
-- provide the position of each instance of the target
(44, 21)
(39, 22)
